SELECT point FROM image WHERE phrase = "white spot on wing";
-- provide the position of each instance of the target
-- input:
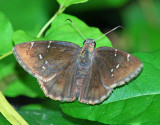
(117, 66)
(31, 45)
(62, 50)
(115, 53)
(128, 55)
(46, 62)
(49, 44)
(111, 70)
(112, 75)
(43, 67)
(40, 56)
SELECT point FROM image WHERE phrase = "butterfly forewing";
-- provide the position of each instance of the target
(115, 66)
(45, 59)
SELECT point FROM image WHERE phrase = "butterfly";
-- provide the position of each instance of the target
(66, 71)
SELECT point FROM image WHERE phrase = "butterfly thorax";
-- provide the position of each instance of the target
(85, 61)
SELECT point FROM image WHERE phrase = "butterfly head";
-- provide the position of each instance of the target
(90, 42)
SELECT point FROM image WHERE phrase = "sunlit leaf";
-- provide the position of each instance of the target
(6, 31)
(67, 3)
(64, 31)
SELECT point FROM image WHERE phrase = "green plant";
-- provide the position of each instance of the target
(134, 103)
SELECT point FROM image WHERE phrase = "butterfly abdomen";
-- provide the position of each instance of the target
(84, 63)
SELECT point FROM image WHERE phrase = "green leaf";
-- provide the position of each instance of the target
(43, 117)
(14, 81)
(29, 16)
(6, 31)
(7, 72)
(49, 113)
(3, 121)
(134, 103)
(67, 3)
(64, 31)
(38, 114)
(20, 36)
(24, 84)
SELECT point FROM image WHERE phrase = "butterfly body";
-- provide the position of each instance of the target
(85, 59)
(84, 62)
(66, 72)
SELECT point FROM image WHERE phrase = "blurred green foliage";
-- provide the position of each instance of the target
(22, 20)
(28, 15)
(5, 30)
(142, 23)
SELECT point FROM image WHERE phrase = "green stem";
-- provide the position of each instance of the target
(10, 113)
(60, 10)
(5, 55)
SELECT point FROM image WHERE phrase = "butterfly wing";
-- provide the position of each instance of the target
(62, 87)
(93, 91)
(45, 59)
(110, 68)
(116, 67)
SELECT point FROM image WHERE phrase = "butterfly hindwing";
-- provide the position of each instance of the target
(45, 59)
(93, 90)
(62, 87)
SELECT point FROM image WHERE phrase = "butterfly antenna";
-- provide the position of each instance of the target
(109, 32)
(76, 28)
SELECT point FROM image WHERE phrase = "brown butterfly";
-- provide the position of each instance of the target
(66, 72)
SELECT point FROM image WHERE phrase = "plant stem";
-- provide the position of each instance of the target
(5, 55)
(9, 112)
(60, 10)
